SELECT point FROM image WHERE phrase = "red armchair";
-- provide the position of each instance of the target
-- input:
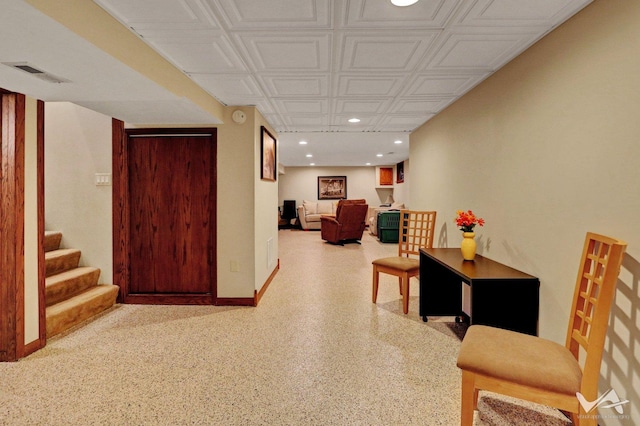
(347, 225)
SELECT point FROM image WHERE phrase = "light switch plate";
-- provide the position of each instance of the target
(103, 179)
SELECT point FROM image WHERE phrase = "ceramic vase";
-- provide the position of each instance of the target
(468, 245)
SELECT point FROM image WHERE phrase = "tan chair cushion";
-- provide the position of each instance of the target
(519, 358)
(401, 263)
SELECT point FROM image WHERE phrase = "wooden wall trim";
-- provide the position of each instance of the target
(19, 214)
(258, 295)
(7, 228)
(12, 226)
(235, 301)
(120, 207)
(42, 303)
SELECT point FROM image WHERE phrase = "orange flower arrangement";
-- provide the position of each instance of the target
(467, 220)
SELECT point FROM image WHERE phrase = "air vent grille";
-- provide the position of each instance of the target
(29, 69)
(34, 71)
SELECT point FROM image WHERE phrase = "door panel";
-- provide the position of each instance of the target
(171, 223)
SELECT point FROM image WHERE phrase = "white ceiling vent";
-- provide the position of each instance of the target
(30, 69)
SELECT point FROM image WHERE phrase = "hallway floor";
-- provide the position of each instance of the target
(316, 351)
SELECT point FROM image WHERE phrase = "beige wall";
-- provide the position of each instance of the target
(31, 237)
(82, 211)
(236, 204)
(546, 150)
(301, 183)
(265, 211)
(77, 146)
(247, 208)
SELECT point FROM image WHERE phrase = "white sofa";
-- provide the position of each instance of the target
(372, 215)
(309, 212)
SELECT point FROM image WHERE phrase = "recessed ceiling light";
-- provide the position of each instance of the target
(309, 155)
(403, 2)
(312, 164)
(368, 164)
(379, 155)
(302, 142)
(354, 120)
(398, 142)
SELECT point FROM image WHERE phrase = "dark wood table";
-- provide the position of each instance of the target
(500, 296)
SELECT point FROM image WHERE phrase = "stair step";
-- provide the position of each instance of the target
(52, 240)
(66, 284)
(73, 311)
(61, 260)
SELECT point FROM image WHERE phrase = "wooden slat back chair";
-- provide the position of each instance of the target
(539, 370)
(416, 231)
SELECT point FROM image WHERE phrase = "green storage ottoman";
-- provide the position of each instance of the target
(388, 226)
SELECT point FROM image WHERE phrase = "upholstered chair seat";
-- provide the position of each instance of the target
(520, 358)
(538, 370)
(416, 230)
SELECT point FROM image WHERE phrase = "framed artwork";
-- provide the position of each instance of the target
(332, 187)
(268, 156)
(400, 172)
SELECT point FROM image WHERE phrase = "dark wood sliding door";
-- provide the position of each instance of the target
(171, 216)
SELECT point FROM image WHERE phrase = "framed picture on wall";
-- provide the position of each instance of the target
(332, 187)
(400, 172)
(268, 156)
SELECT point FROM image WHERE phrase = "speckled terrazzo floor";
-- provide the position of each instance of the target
(316, 351)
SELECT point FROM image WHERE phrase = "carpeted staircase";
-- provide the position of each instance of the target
(73, 294)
